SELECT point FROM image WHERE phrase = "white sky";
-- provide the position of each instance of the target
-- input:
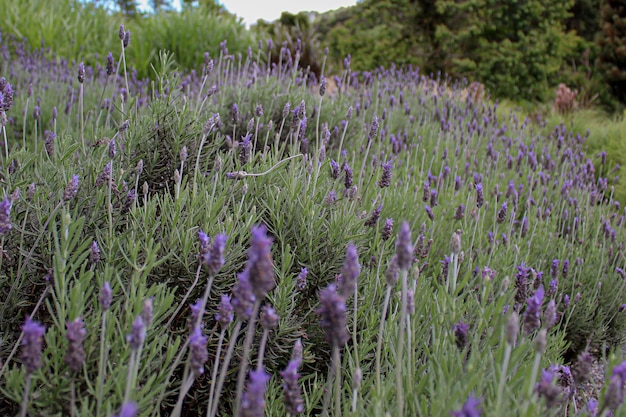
(269, 10)
(251, 10)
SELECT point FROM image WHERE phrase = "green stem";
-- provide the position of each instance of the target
(243, 366)
(400, 346)
(225, 363)
(381, 330)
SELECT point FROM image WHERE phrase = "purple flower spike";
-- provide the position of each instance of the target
(76, 333)
(72, 188)
(197, 310)
(533, 311)
(470, 408)
(260, 266)
(502, 213)
(243, 298)
(225, 310)
(94, 254)
(373, 219)
(349, 273)
(480, 197)
(128, 409)
(32, 344)
(387, 230)
(198, 351)
(461, 334)
(291, 389)
(385, 178)
(253, 400)
(404, 247)
(105, 296)
(546, 389)
(269, 318)
(214, 258)
(5, 216)
(333, 311)
(137, 334)
(301, 281)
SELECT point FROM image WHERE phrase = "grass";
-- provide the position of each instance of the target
(463, 327)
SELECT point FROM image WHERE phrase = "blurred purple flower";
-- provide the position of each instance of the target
(137, 334)
(470, 408)
(349, 272)
(294, 403)
(198, 351)
(260, 266)
(76, 333)
(253, 400)
(404, 247)
(225, 311)
(5, 216)
(32, 344)
(333, 316)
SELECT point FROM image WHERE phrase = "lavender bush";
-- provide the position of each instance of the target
(128, 226)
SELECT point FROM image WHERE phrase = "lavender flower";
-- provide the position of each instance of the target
(387, 230)
(213, 258)
(253, 400)
(260, 266)
(126, 39)
(81, 72)
(137, 334)
(49, 142)
(404, 247)
(269, 318)
(349, 272)
(72, 188)
(294, 403)
(105, 176)
(245, 147)
(533, 311)
(502, 213)
(110, 67)
(301, 281)
(373, 219)
(5, 216)
(391, 274)
(461, 334)
(512, 328)
(470, 408)
(147, 312)
(32, 344)
(460, 212)
(348, 175)
(197, 310)
(243, 298)
(105, 296)
(121, 33)
(550, 315)
(235, 113)
(128, 409)
(614, 394)
(76, 333)
(554, 268)
(334, 169)
(198, 351)
(225, 310)
(546, 389)
(429, 212)
(480, 198)
(94, 253)
(385, 178)
(333, 312)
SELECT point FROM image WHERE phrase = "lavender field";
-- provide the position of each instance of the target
(251, 239)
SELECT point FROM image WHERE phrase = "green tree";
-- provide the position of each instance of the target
(612, 42)
(515, 48)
